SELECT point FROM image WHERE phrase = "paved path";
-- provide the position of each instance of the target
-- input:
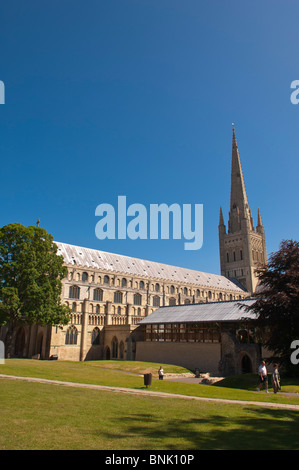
(149, 392)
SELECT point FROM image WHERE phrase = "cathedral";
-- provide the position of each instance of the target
(112, 297)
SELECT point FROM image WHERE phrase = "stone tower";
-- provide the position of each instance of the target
(242, 247)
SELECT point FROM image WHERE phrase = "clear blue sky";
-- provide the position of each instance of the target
(137, 98)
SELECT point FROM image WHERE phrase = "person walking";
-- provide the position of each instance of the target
(161, 373)
(275, 379)
(263, 376)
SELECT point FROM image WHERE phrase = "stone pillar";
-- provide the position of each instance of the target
(108, 313)
(129, 314)
(83, 344)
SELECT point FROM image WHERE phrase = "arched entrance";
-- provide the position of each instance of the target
(107, 354)
(246, 364)
(20, 342)
(114, 345)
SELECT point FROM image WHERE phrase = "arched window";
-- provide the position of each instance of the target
(141, 285)
(124, 282)
(157, 287)
(74, 292)
(106, 279)
(71, 335)
(74, 307)
(172, 301)
(84, 277)
(137, 299)
(198, 293)
(187, 301)
(172, 289)
(118, 297)
(156, 301)
(114, 348)
(185, 291)
(95, 337)
(121, 350)
(98, 294)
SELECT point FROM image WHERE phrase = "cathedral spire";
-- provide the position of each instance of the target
(242, 248)
(239, 208)
(221, 220)
(259, 218)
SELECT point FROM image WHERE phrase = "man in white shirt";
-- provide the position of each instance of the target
(263, 376)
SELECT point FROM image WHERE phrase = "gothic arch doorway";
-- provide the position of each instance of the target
(107, 354)
(246, 364)
(20, 342)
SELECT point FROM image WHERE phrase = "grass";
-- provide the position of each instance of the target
(112, 373)
(42, 416)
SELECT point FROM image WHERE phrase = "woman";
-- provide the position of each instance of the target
(275, 379)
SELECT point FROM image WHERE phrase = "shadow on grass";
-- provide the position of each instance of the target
(249, 429)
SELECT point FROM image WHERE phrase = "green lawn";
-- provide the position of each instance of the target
(112, 373)
(42, 416)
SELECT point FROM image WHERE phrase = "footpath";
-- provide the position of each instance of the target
(149, 392)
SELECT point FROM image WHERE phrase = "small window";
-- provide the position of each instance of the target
(141, 285)
(106, 279)
(157, 287)
(156, 301)
(124, 282)
(84, 277)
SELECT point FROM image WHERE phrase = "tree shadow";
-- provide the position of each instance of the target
(248, 428)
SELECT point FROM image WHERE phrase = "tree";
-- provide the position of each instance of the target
(277, 304)
(30, 279)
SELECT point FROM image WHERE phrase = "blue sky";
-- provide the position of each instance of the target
(137, 98)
